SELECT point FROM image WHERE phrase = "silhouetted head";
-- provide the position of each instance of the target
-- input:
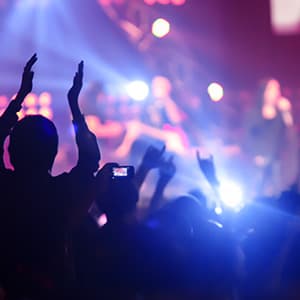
(33, 144)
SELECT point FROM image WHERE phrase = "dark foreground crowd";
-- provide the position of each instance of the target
(52, 246)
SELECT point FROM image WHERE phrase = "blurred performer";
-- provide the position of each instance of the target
(162, 121)
(163, 108)
(271, 140)
(101, 114)
(164, 113)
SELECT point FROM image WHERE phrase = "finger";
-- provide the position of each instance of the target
(31, 62)
(80, 67)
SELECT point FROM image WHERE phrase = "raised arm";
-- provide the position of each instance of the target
(88, 151)
(207, 166)
(151, 160)
(9, 117)
(167, 170)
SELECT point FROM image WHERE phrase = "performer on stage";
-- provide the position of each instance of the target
(161, 121)
(271, 140)
(100, 111)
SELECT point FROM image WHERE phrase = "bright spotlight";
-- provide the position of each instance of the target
(138, 90)
(215, 92)
(160, 28)
(218, 210)
(231, 194)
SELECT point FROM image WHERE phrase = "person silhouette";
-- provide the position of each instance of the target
(38, 211)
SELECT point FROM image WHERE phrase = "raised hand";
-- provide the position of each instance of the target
(153, 157)
(74, 91)
(103, 182)
(26, 84)
(207, 167)
(167, 170)
(9, 117)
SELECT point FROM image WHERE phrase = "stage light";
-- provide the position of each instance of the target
(231, 194)
(138, 90)
(215, 92)
(30, 100)
(45, 99)
(178, 2)
(160, 28)
(218, 210)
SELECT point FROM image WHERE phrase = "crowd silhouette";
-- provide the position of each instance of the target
(54, 247)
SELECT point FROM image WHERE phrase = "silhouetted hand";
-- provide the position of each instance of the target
(9, 117)
(153, 157)
(26, 84)
(167, 170)
(207, 167)
(104, 175)
(103, 181)
(74, 91)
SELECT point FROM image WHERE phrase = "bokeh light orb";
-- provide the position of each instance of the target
(45, 99)
(178, 2)
(160, 28)
(218, 210)
(31, 100)
(138, 90)
(215, 92)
